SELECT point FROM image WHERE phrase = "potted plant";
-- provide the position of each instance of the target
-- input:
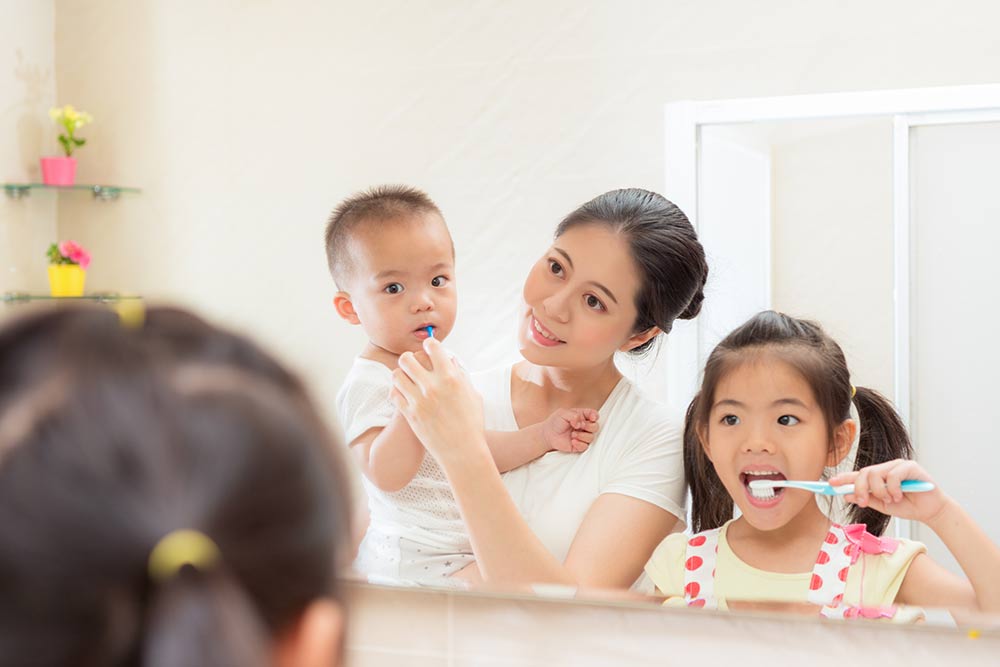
(62, 170)
(68, 262)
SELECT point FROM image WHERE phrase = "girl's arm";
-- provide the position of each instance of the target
(928, 583)
(617, 533)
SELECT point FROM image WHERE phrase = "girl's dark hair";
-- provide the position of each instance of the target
(665, 248)
(122, 437)
(806, 347)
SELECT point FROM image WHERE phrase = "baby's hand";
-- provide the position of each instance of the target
(570, 429)
(878, 487)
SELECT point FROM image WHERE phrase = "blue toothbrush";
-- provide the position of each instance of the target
(825, 489)
(430, 332)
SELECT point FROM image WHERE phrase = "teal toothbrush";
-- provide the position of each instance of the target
(825, 489)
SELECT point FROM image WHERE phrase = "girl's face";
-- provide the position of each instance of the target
(765, 423)
(579, 300)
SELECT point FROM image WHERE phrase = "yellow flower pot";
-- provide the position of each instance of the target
(66, 279)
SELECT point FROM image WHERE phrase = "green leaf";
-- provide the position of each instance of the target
(67, 146)
(79, 142)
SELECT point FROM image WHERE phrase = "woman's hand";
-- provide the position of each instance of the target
(878, 487)
(438, 401)
(570, 429)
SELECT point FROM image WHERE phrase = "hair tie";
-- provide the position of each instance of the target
(854, 390)
(179, 548)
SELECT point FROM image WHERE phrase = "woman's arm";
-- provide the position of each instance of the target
(927, 583)
(617, 534)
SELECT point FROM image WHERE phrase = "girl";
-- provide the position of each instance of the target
(621, 269)
(167, 498)
(775, 403)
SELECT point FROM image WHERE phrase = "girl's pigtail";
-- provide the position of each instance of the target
(203, 618)
(883, 438)
(711, 504)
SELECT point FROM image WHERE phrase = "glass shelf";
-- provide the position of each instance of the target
(130, 308)
(109, 297)
(99, 192)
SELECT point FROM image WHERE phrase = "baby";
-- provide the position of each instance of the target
(393, 261)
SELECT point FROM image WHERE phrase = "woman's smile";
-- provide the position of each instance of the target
(542, 335)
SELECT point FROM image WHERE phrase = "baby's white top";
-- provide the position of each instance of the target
(423, 511)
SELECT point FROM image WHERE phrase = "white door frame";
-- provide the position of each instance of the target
(908, 107)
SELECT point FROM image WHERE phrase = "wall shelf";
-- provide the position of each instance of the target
(108, 297)
(130, 308)
(99, 192)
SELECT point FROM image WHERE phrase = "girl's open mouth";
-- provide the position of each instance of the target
(762, 497)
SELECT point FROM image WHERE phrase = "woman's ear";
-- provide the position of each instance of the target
(843, 437)
(638, 339)
(315, 639)
(345, 307)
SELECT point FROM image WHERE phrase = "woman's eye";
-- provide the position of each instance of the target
(555, 267)
(788, 420)
(393, 288)
(439, 281)
(730, 420)
(594, 302)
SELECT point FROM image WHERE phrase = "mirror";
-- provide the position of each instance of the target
(246, 127)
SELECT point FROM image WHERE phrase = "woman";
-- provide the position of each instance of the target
(622, 268)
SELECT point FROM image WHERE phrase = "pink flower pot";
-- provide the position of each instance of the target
(58, 170)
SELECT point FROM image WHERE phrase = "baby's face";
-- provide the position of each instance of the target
(403, 282)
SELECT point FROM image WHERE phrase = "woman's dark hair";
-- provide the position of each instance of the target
(807, 348)
(123, 437)
(665, 248)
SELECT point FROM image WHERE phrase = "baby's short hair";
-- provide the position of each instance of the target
(370, 207)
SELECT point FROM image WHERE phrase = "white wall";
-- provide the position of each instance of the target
(27, 92)
(832, 239)
(956, 360)
(246, 121)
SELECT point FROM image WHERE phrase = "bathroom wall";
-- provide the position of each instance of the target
(27, 92)
(245, 122)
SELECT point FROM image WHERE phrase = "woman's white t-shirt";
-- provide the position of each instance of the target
(638, 452)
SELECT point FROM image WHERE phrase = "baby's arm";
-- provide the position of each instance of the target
(566, 430)
(389, 456)
(926, 583)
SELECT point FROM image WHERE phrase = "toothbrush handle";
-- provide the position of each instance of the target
(906, 486)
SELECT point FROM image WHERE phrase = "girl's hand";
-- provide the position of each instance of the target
(878, 487)
(438, 401)
(570, 429)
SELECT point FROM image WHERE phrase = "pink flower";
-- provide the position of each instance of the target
(76, 253)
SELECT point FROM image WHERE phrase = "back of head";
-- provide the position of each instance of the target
(126, 443)
(369, 209)
(665, 248)
(819, 359)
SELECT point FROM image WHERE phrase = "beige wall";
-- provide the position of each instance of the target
(832, 239)
(246, 121)
(27, 91)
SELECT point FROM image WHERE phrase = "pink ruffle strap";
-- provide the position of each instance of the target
(864, 542)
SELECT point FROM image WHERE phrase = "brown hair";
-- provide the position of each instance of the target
(126, 437)
(375, 206)
(807, 348)
(665, 248)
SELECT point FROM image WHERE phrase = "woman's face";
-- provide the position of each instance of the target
(580, 300)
